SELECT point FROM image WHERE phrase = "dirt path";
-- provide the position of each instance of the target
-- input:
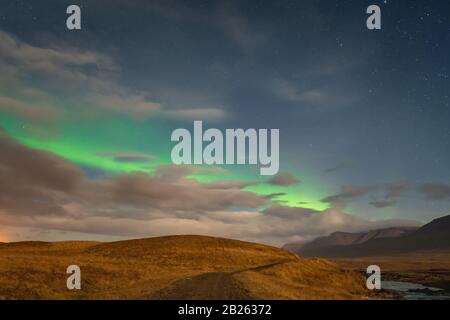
(210, 286)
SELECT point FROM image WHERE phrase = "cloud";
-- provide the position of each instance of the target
(300, 224)
(50, 60)
(283, 179)
(290, 213)
(129, 156)
(284, 89)
(182, 195)
(41, 191)
(124, 102)
(225, 16)
(348, 194)
(172, 172)
(383, 203)
(238, 28)
(435, 191)
(383, 195)
(71, 71)
(88, 79)
(205, 114)
(392, 191)
(326, 98)
(274, 196)
(34, 182)
(229, 184)
(340, 166)
(27, 110)
(321, 86)
(36, 167)
(395, 189)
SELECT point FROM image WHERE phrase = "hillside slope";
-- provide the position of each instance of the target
(178, 267)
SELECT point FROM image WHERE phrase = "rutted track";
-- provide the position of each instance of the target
(210, 286)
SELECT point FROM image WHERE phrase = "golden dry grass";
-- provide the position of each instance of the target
(178, 267)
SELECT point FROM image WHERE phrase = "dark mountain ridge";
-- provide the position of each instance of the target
(432, 236)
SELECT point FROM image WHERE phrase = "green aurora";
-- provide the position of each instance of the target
(88, 143)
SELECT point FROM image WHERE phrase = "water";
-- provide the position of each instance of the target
(415, 291)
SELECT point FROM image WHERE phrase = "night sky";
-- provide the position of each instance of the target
(364, 117)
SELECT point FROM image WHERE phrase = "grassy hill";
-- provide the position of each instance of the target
(177, 267)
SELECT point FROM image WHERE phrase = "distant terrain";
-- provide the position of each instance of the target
(434, 236)
(177, 267)
(346, 239)
(404, 254)
(198, 267)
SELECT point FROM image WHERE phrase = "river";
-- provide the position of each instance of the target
(415, 291)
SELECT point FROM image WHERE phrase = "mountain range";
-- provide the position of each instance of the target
(434, 236)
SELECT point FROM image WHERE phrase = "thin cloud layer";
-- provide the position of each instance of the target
(90, 78)
(128, 156)
(284, 179)
(435, 191)
(383, 195)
